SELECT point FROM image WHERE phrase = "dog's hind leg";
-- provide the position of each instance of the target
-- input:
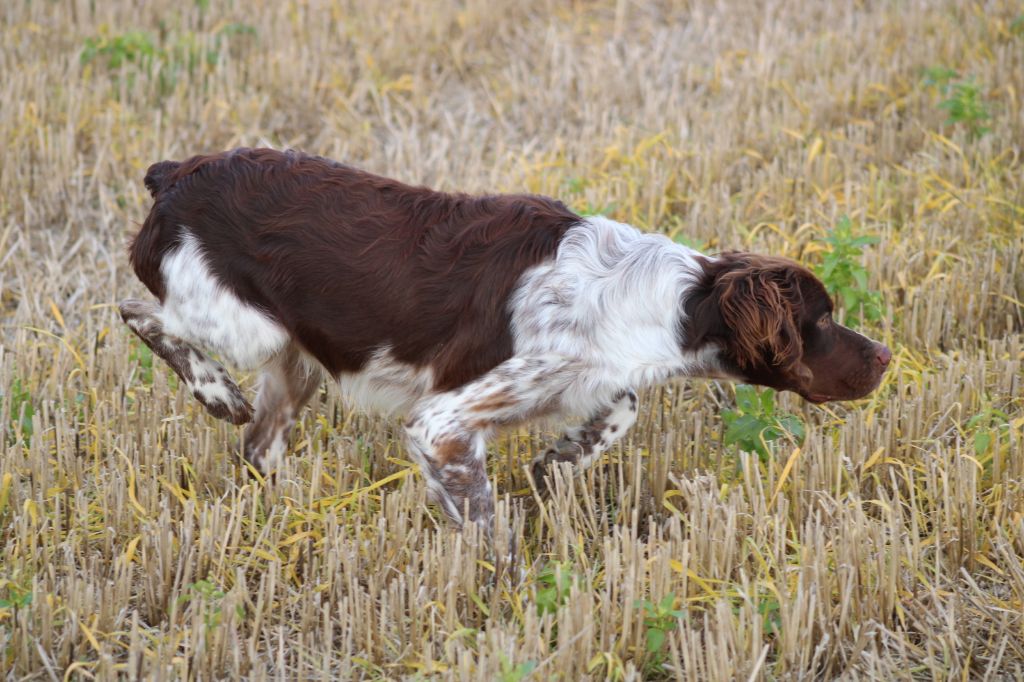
(584, 445)
(207, 379)
(287, 383)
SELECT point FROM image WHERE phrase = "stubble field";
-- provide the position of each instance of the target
(888, 544)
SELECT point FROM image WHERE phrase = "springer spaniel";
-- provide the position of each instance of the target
(464, 313)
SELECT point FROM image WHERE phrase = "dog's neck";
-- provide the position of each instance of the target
(615, 296)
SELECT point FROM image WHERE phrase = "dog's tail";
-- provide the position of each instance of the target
(160, 176)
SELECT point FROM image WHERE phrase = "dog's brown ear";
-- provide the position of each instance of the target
(757, 303)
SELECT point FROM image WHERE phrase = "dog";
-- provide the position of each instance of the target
(465, 314)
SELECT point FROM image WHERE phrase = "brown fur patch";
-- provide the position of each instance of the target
(450, 451)
(350, 262)
(495, 403)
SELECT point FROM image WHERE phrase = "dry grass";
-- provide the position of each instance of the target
(887, 547)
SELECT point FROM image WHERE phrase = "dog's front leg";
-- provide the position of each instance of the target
(584, 445)
(448, 432)
(207, 379)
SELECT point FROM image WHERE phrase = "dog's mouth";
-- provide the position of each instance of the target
(847, 391)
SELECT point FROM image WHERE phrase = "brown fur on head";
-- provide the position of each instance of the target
(771, 318)
(748, 308)
(756, 302)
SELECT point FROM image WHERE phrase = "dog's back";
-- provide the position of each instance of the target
(349, 262)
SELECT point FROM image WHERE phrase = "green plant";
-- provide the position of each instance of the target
(589, 209)
(114, 51)
(16, 597)
(660, 618)
(965, 105)
(986, 426)
(515, 673)
(574, 185)
(693, 243)
(754, 423)
(768, 608)
(142, 354)
(771, 619)
(844, 276)
(22, 411)
(938, 77)
(553, 585)
(963, 101)
(1017, 25)
(184, 55)
(209, 596)
(236, 28)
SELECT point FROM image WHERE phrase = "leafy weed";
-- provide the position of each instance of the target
(168, 63)
(660, 618)
(986, 426)
(515, 673)
(209, 596)
(962, 100)
(845, 277)
(554, 583)
(22, 411)
(754, 423)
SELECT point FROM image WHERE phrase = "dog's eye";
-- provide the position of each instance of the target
(825, 320)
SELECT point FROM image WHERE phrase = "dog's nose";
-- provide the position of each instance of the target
(883, 355)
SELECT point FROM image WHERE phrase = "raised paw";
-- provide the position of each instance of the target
(209, 382)
(142, 317)
(131, 308)
(211, 385)
(221, 396)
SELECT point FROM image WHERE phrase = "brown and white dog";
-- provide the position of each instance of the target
(464, 313)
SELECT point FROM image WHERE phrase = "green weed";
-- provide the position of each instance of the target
(938, 77)
(15, 596)
(965, 106)
(660, 618)
(963, 101)
(768, 608)
(986, 426)
(1017, 25)
(210, 597)
(141, 354)
(754, 423)
(845, 277)
(590, 209)
(183, 56)
(554, 583)
(22, 411)
(692, 242)
(131, 47)
(515, 673)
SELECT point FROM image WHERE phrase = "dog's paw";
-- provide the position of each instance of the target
(142, 317)
(222, 397)
(131, 308)
(564, 450)
(237, 412)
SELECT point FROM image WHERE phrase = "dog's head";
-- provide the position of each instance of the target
(772, 321)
